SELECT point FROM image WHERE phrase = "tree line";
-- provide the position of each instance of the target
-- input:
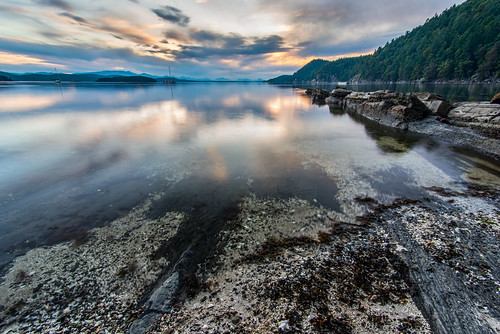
(462, 43)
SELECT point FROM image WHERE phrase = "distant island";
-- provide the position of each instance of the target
(128, 79)
(107, 77)
(463, 43)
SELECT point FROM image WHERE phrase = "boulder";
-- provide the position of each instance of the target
(336, 97)
(437, 104)
(481, 116)
(340, 92)
(495, 99)
(318, 95)
(387, 107)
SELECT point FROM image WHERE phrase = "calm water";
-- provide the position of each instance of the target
(452, 92)
(74, 157)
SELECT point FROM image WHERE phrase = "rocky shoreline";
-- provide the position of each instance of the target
(474, 125)
(423, 265)
(428, 263)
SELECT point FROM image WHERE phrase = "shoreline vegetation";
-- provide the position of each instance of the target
(460, 44)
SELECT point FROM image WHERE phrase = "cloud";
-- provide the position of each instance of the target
(56, 3)
(8, 58)
(177, 35)
(173, 15)
(227, 46)
(74, 18)
(333, 27)
(126, 31)
(82, 52)
(245, 38)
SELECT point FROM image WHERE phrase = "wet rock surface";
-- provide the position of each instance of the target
(412, 266)
(451, 247)
(278, 265)
(481, 116)
(87, 287)
(341, 279)
(385, 107)
(318, 95)
(475, 125)
(437, 104)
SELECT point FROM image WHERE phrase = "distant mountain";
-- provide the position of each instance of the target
(107, 76)
(462, 43)
(111, 73)
(52, 76)
(128, 79)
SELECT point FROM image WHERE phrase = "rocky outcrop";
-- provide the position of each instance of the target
(385, 107)
(337, 96)
(475, 125)
(481, 116)
(437, 104)
(318, 95)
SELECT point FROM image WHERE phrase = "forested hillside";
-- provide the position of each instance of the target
(462, 43)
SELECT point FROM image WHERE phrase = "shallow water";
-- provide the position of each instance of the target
(75, 157)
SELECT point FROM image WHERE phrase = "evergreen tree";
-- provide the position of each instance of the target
(461, 43)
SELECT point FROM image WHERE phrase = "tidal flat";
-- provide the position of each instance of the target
(272, 216)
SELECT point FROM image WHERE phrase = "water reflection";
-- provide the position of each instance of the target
(24, 102)
(78, 158)
(452, 92)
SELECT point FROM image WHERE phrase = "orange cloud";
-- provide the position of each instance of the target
(8, 58)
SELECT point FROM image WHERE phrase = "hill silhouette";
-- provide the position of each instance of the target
(462, 43)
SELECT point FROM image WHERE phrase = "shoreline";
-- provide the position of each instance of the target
(374, 264)
(473, 125)
(415, 82)
(280, 266)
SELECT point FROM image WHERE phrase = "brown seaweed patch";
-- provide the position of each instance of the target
(274, 247)
(332, 324)
(375, 215)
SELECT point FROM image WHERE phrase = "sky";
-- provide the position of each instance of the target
(231, 39)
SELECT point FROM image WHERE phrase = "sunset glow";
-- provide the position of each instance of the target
(202, 38)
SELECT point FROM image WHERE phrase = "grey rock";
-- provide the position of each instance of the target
(481, 116)
(340, 92)
(318, 95)
(437, 104)
(386, 107)
(336, 97)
